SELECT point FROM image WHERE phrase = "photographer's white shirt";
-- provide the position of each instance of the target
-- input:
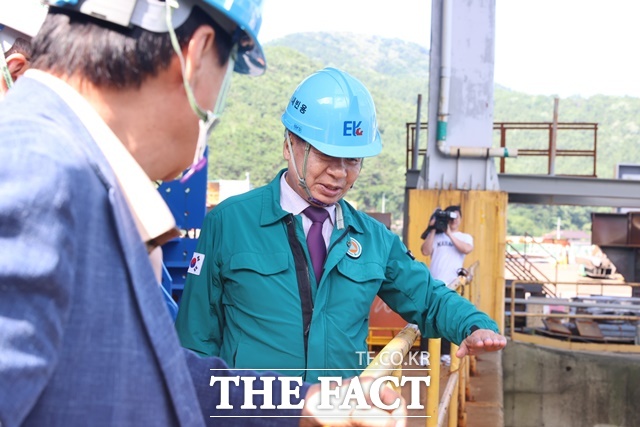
(446, 259)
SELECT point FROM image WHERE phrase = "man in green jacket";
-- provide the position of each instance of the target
(257, 294)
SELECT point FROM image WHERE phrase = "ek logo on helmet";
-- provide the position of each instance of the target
(352, 128)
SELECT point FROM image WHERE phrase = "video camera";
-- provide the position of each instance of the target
(442, 220)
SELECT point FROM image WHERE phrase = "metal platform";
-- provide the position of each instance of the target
(569, 190)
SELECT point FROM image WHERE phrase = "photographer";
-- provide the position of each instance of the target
(447, 247)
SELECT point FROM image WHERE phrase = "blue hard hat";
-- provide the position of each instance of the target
(240, 18)
(335, 113)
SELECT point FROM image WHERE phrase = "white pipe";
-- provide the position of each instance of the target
(449, 389)
(445, 71)
(482, 152)
(443, 103)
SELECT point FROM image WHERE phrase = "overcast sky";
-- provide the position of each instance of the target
(548, 47)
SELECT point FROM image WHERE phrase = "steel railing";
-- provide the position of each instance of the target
(605, 344)
(504, 129)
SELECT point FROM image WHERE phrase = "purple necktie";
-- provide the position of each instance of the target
(315, 241)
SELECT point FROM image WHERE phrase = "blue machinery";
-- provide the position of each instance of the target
(188, 204)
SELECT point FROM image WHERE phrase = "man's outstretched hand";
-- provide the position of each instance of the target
(480, 341)
(352, 416)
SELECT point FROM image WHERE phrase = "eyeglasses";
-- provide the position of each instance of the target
(317, 156)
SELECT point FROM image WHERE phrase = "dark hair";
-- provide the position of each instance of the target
(111, 56)
(22, 46)
(454, 208)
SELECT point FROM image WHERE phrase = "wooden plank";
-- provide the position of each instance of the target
(554, 325)
(588, 328)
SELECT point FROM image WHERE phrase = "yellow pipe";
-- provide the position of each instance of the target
(398, 374)
(456, 364)
(473, 367)
(433, 392)
(382, 364)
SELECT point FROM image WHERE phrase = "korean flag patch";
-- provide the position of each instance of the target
(196, 264)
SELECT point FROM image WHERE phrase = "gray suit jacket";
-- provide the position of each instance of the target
(85, 338)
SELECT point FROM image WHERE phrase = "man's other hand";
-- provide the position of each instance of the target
(351, 415)
(481, 341)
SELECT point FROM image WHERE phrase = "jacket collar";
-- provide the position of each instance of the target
(272, 211)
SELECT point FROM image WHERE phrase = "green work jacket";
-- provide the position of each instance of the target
(241, 301)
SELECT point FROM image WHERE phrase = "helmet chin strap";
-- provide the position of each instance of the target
(302, 182)
(4, 70)
(207, 120)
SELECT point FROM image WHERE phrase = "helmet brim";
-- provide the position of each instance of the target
(341, 151)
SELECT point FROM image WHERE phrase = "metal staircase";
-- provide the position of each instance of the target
(524, 270)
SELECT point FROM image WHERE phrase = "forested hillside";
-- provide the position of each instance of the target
(250, 136)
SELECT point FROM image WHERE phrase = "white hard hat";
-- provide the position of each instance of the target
(234, 16)
(20, 19)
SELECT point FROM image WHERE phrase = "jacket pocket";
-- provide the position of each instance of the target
(353, 290)
(257, 282)
(261, 263)
(361, 272)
